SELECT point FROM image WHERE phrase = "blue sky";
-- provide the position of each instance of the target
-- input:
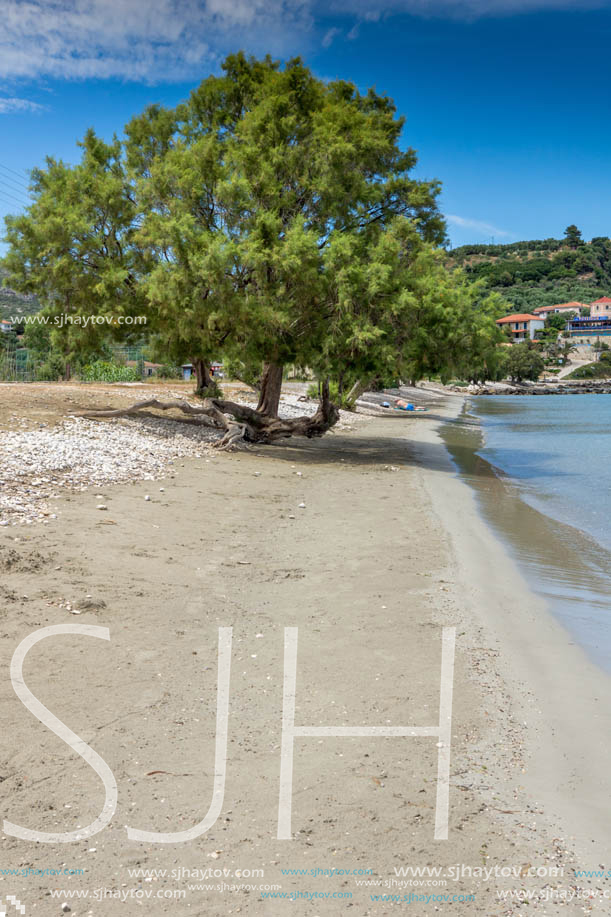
(507, 101)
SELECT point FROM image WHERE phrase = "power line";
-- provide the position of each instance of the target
(12, 184)
(17, 174)
(7, 192)
(4, 180)
(6, 200)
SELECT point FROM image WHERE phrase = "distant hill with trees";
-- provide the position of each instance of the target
(541, 272)
(14, 303)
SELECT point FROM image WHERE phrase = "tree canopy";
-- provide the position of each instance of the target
(272, 218)
(523, 361)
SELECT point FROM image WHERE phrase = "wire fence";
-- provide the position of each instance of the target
(17, 367)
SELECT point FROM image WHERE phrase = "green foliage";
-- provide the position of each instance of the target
(572, 236)
(266, 172)
(52, 369)
(248, 373)
(213, 390)
(74, 247)
(37, 338)
(599, 370)
(169, 371)
(14, 365)
(341, 399)
(523, 362)
(555, 347)
(272, 217)
(8, 341)
(13, 303)
(104, 371)
(540, 272)
(558, 320)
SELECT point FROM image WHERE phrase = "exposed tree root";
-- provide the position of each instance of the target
(241, 425)
(209, 416)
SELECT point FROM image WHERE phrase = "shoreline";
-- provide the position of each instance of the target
(562, 696)
(561, 562)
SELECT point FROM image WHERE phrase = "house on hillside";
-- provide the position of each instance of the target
(521, 325)
(6, 326)
(544, 311)
(601, 308)
(588, 329)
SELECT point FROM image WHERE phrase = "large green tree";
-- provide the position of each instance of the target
(272, 218)
(244, 191)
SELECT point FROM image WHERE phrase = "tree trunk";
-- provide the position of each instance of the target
(359, 387)
(204, 379)
(325, 398)
(271, 387)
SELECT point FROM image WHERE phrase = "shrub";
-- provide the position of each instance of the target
(169, 371)
(523, 362)
(104, 371)
(341, 400)
(51, 369)
(599, 370)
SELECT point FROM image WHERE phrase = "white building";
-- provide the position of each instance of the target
(522, 325)
(560, 308)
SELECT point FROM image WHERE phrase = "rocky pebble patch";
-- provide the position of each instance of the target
(36, 466)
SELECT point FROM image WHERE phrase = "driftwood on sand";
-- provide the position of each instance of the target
(240, 424)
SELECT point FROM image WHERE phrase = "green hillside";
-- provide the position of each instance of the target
(541, 272)
(13, 303)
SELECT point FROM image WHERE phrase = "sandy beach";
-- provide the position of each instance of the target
(369, 544)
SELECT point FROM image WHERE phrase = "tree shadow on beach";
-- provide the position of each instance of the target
(361, 445)
(366, 447)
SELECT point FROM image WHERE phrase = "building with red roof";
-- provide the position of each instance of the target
(560, 307)
(601, 308)
(521, 325)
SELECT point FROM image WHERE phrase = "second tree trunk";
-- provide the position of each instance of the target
(271, 386)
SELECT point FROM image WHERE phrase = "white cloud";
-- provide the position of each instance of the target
(160, 40)
(479, 226)
(328, 37)
(8, 105)
(142, 40)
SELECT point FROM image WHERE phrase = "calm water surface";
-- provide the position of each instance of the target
(559, 448)
(541, 467)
